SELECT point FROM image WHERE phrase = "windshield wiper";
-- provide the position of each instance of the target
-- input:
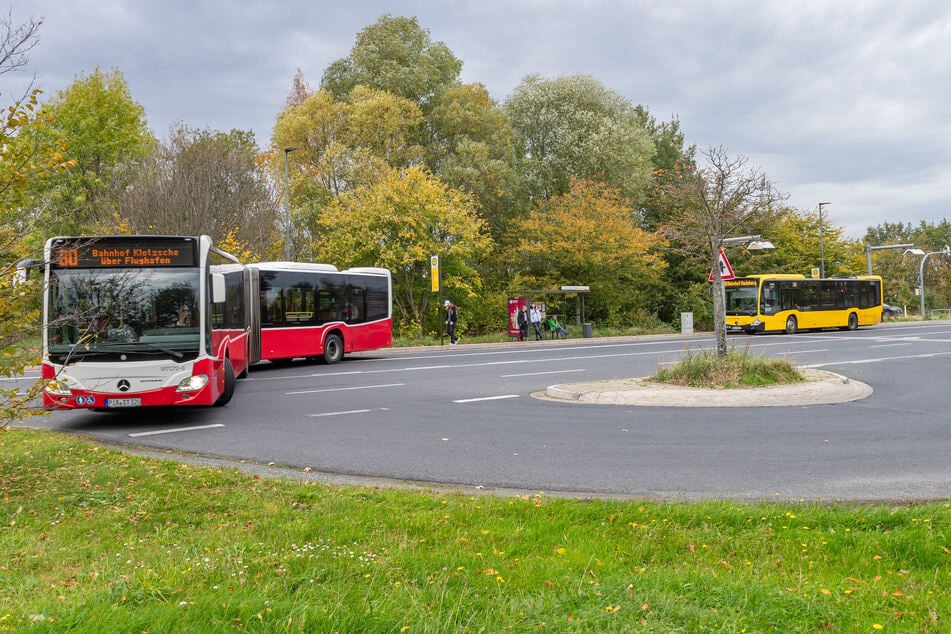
(168, 351)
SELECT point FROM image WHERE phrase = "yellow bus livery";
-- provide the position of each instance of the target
(788, 303)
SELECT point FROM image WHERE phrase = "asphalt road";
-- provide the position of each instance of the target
(465, 417)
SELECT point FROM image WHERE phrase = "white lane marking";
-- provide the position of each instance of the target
(486, 398)
(786, 354)
(880, 359)
(343, 389)
(349, 411)
(507, 376)
(891, 345)
(174, 431)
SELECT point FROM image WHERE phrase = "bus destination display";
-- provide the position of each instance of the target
(109, 254)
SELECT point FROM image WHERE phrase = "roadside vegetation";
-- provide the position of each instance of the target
(94, 539)
(738, 369)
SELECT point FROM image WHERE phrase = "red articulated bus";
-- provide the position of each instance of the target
(139, 321)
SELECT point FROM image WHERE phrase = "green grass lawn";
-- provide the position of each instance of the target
(96, 540)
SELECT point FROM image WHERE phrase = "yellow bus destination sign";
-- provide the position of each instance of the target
(739, 282)
(124, 254)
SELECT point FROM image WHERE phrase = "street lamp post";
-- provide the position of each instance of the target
(287, 206)
(921, 274)
(869, 249)
(822, 253)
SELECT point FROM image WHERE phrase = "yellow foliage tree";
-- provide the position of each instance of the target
(399, 223)
(590, 236)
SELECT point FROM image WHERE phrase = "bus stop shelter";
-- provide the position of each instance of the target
(522, 298)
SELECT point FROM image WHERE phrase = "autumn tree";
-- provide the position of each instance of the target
(340, 146)
(574, 127)
(399, 223)
(589, 236)
(204, 182)
(719, 200)
(105, 131)
(24, 157)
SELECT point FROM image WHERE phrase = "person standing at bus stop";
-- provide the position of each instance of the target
(452, 316)
(535, 315)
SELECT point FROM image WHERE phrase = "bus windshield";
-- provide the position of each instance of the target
(134, 313)
(741, 300)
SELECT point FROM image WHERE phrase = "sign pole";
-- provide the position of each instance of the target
(436, 288)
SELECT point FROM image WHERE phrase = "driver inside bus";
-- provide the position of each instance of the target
(184, 316)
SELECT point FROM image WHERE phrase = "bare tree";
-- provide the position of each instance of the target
(16, 42)
(713, 203)
(202, 181)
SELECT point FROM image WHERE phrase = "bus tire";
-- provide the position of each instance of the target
(791, 325)
(229, 385)
(853, 322)
(333, 348)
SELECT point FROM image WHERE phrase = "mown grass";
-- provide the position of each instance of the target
(95, 540)
(738, 369)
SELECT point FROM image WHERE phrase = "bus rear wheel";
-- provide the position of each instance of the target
(853, 322)
(791, 325)
(333, 349)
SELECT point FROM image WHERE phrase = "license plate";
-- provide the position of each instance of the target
(123, 402)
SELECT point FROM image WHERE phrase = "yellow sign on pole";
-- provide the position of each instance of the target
(434, 272)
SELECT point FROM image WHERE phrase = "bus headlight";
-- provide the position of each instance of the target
(193, 383)
(56, 388)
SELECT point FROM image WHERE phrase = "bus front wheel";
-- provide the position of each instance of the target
(791, 325)
(333, 349)
(229, 385)
(853, 322)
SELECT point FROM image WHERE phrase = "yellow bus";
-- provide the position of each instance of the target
(787, 303)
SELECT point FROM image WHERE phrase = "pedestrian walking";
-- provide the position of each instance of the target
(452, 316)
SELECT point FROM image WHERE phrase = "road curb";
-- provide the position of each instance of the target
(820, 388)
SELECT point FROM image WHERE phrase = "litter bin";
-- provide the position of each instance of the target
(586, 329)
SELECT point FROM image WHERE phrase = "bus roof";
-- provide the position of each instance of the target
(317, 267)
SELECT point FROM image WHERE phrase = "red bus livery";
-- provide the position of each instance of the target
(315, 311)
(138, 321)
(142, 321)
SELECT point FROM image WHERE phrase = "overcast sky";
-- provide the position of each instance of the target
(846, 102)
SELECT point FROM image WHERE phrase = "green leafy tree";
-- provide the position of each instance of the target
(901, 271)
(588, 236)
(574, 127)
(399, 223)
(470, 147)
(105, 131)
(397, 56)
(716, 202)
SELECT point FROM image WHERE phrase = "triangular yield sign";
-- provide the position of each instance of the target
(726, 271)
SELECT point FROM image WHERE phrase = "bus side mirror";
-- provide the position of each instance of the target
(217, 288)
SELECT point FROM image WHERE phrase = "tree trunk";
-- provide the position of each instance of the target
(719, 310)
